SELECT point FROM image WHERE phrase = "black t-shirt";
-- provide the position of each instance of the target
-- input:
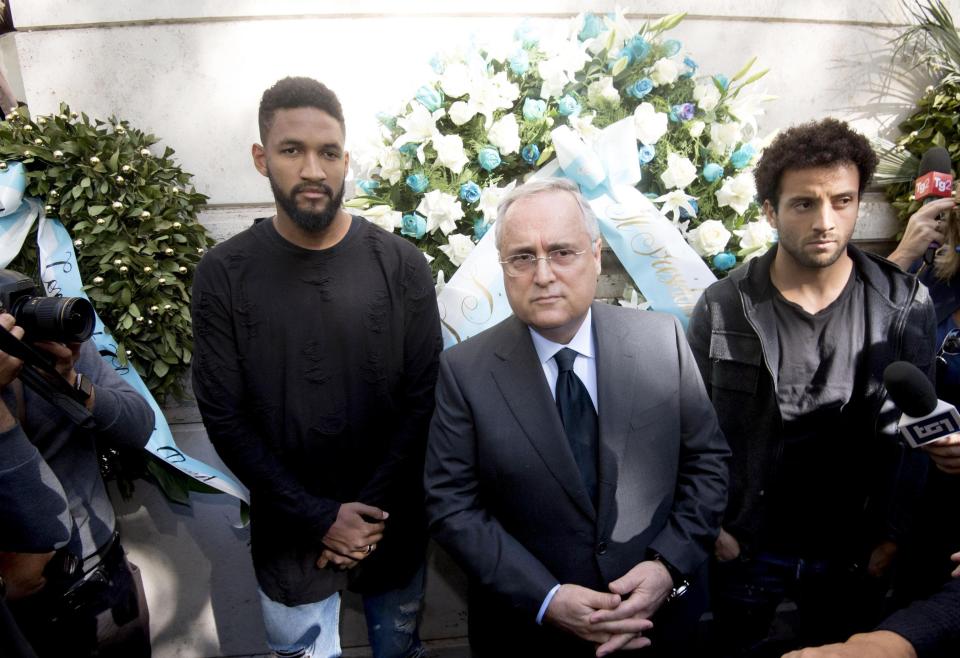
(811, 497)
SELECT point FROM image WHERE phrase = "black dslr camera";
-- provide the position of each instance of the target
(60, 319)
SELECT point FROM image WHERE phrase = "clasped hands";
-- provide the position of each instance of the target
(615, 620)
(352, 537)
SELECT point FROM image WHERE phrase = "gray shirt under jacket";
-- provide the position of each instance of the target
(122, 418)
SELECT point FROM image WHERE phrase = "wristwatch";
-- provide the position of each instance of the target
(83, 386)
(680, 583)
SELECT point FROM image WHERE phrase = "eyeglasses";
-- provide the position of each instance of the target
(523, 264)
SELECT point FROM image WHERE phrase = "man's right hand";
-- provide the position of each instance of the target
(9, 366)
(923, 228)
(571, 607)
(727, 547)
(352, 535)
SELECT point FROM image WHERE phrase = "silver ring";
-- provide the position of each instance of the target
(368, 548)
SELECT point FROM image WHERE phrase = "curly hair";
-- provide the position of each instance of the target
(823, 143)
(291, 93)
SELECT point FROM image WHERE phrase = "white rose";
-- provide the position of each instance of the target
(679, 173)
(695, 128)
(724, 136)
(455, 81)
(490, 198)
(710, 238)
(756, 236)
(450, 153)
(737, 192)
(391, 165)
(461, 113)
(505, 134)
(603, 91)
(457, 249)
(665, 72)
(707, 95)
(650, 124)
(384, 216)
(554, 77)
(441, 210)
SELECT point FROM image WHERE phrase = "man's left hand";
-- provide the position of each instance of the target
(878, 644)
(956, 558)
(65, 357)
(643, 590)
(945, 453)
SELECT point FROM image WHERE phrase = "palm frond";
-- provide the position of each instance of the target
(896, 164)
(933, 40)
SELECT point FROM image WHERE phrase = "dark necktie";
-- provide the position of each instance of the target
(579, 419)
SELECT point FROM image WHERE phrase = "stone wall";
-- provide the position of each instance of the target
(192, 71)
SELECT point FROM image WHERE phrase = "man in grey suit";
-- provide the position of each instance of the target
(575, 468)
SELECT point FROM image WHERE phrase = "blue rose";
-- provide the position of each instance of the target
(437, 65)
(672, 47)
(592, 26)
(638, 47)
(418, 182)
(742, 156)
(470, 192)
(712, 171)
(409, 149)
(674, 113)
(530, 153)
(724, 261)
(640, 88)
(520, 63)
(687, 110)
(489, 158)
(429, 97)
(691, 68)
(568, 106)
(693, 204)
(480, 227)
(722, 80)
(367, 186)
(534, 109)
(388, 120)
(413, 226)
(647, 154)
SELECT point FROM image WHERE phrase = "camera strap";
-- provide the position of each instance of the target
(43, 378)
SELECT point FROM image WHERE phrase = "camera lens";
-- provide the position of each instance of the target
(62, 319)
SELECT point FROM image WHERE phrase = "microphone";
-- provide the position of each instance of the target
(925, 418)
(934, 181)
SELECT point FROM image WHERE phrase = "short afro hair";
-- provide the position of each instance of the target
(824, 143)
(291, 93)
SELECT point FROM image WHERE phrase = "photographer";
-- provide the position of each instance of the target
(90, 599)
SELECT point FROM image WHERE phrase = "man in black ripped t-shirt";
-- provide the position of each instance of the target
(792, 349)
(317, 339)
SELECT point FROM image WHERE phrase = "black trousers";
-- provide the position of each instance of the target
(103, 616)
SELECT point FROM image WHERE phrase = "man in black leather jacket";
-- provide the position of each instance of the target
(792, 348)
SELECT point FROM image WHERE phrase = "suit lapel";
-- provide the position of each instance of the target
(617, 375)
(519, 376)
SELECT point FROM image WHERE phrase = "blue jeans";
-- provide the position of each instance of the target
(312, 630)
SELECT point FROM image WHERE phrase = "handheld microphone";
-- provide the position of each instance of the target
(934, 181)
(925, 418)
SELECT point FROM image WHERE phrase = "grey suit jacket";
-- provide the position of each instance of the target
(504, 495)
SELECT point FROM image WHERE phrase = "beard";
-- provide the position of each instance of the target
(312, 221)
